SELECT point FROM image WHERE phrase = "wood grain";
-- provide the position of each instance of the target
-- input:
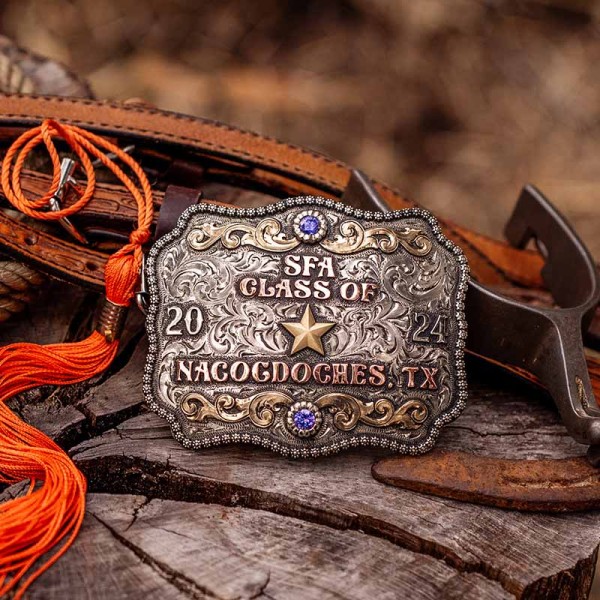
(228, 553)
(236, 522)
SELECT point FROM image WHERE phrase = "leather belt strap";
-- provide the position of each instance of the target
(264, 161)
(175, 201)
(217, 151)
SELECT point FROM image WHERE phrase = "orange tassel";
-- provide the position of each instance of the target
(53, 507)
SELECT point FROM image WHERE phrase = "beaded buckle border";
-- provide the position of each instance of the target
(179, 417)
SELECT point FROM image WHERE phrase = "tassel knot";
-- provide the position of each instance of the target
(121, 274)
(139, 237)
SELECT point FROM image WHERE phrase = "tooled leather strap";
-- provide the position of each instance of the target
(273, 164)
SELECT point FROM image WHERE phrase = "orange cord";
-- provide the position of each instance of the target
(53, 507)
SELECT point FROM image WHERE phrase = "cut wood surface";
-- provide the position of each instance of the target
(239, 522)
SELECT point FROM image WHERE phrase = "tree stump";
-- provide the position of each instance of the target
(239, 522)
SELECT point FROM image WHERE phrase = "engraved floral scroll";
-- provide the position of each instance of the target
(346, 410)
(354, 237)
(268, 234)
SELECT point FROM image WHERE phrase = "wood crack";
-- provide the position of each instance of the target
(484, 434)
(137, 510)
(154, 481)
(180, 581)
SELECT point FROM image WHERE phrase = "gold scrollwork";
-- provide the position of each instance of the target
(408, 416)
(197, 407)
(260, 408)
(352, 237)
(414, 241)
(266, 235)
(347, 410)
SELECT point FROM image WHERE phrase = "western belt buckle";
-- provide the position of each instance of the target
(306, 327)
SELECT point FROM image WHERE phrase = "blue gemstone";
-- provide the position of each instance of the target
(310, 225)
(304, 419)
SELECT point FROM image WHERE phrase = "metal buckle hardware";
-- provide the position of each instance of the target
(142, 296)
(306, 326)
(67, 167)
(546, 342)
(127, 149)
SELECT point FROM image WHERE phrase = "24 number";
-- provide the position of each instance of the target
(428, 330)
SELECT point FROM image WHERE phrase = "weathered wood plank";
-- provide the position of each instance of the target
(57, 310)
(509, 418)
(101, 567)
(134, 548)
(106, 404)
(521, 551)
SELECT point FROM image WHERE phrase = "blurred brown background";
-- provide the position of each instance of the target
(456, 102)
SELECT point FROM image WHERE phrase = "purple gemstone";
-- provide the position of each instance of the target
(304, 419)
(310, 225)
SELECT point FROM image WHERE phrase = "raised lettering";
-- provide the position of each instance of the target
(369, 291)
(239, 371)
(218, 372)
(201, 374)
(292, 265)
(281, 372)
(184, 367)
(310, 262)
(429, 383)
(350, 291)
(248, 286)
(377, 373)
(411, 375)
(302, 289)
(340, 373)
(301, 377)
(260, 373)
(265, 291)
(358, 374)
(326, 267)
(319, 376)
(321, 290)
(283, 289)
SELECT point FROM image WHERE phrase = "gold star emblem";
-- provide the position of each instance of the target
(307, 333)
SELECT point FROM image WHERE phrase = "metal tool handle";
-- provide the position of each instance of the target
(545, 342)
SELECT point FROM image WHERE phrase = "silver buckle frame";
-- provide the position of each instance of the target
(306, 327)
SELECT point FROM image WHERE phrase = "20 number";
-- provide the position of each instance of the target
(192, 320)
